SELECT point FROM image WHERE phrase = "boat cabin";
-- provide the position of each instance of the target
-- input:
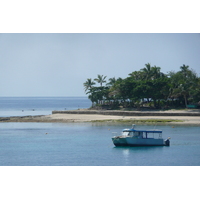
(142, 133)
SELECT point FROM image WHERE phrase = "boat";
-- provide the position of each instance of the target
(136, 137)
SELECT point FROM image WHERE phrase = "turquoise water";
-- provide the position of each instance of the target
(84, 144)
(87, 144)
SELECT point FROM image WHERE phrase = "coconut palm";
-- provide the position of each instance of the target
(184, 83)
(100, 79)
(111, 82)
(137, 75)
(147, 71)
(151, 73)
(185, 70)
(88, 84)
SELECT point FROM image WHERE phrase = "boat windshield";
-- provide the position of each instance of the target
(130, 133)
(125, 133)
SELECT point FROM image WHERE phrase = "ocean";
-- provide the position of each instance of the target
(84, 144)
(23, 106)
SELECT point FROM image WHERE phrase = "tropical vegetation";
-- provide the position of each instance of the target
(148, 87)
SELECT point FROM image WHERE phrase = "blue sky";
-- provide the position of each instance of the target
(59, 64)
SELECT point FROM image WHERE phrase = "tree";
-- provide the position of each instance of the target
(148, 84)
(137, 75)
(98, 94)
(156, 73)
(88, 84)
(111, 82)
(100, 79)
(114, 90)
(151, 73)
(158, 90)
(185, 70)
(195, 92)
(147, 71)
(183, 84)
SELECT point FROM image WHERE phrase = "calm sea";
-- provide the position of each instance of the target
(85, 144)
(22, 106)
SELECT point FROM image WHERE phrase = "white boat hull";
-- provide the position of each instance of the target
(130, 141)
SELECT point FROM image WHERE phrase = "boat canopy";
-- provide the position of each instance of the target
(146, 131)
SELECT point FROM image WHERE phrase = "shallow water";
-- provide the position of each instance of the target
(87, 144)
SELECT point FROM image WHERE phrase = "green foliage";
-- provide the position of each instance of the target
(149, 87)
(88, 84)
(100, 79)
(184, 85)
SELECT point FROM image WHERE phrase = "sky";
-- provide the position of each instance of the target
(44, 64)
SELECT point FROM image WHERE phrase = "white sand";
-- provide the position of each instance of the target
(65, 117)
(89, 118)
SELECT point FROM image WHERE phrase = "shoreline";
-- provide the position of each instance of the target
(79, 116)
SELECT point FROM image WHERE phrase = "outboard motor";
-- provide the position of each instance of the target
(167, 142)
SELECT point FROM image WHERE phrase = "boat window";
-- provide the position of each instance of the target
(131, 134)
(136, 133)
(128, 133)
(125, 133)
(152, 135)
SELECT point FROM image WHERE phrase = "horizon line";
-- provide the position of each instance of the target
(41, 96)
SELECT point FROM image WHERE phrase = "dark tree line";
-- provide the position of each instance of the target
(146, 87)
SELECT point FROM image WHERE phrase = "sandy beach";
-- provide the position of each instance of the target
(81, 117)
(106, 118)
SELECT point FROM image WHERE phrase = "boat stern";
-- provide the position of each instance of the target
(167, 142)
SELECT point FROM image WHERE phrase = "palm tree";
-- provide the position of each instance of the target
(183, 83)
(100, 79)
(185, 70)
(151, 73)
(137, 75)
(88, 84)
(156, 73)
(147, 71)
(183, 91)
(111, 82)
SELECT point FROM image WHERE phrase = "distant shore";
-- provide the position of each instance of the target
(190, 117)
